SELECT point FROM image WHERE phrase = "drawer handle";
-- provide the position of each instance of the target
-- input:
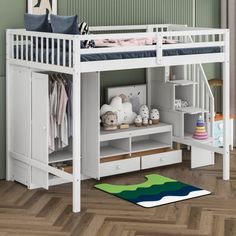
(118, 167)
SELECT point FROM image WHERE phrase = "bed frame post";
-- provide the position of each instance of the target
(8, 55)
(226, 107)
(76, 126)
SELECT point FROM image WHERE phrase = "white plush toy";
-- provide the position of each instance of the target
(145, 121)
(144, 111)
(138, 121)
(155, 116)
(124, 110)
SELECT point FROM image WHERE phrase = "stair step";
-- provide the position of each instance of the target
(189, 136)
(192, 110)
(181, 82)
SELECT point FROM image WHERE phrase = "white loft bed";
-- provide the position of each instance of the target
(66, 57)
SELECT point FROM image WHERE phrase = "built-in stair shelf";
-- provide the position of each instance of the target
(192, 110)
(181, 82)
(186, 84)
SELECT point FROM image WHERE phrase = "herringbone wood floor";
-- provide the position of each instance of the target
(42, 213)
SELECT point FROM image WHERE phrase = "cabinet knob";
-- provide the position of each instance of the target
(118, 167)
(44, 128)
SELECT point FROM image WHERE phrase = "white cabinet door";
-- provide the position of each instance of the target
(201, 157)
(19, 122)
(90, 124)
(20, 111)
(40, 116)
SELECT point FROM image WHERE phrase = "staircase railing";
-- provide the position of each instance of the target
(203, 96)
(206, 98)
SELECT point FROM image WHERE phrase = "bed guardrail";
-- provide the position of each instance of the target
(61, 50)
(43, 48)
(201, 39)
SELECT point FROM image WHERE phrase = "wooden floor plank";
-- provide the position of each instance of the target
(49, 213)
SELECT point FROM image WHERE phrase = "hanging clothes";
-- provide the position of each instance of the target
(69, 109)
(60, 112)
(52, 114)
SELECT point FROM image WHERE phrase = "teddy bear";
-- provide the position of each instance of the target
(109, 120)
(155, 116)
(124, 110)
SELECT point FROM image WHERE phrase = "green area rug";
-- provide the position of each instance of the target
(156, 191)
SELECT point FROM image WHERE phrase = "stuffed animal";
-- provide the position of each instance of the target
(124, 110)
(155, 116)
(109, 120)
(145, 121)
(138, 121)
(144, 111)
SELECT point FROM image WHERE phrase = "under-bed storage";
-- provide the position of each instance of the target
(153, 149)
(21, 172)
(30, 130)
(106, 153)
(119, 166)
(161, 159)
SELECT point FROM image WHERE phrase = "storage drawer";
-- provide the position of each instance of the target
(161, 159)
(119, 167)
(21, 172)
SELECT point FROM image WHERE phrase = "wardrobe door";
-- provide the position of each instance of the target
(40, 114)
(20, 111)
(19, 123)
(90, 124)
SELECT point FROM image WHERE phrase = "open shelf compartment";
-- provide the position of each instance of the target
(60, 156)
(190, 122)
(151, 142)
(114, 147)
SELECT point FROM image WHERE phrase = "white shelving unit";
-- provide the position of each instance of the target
(107, 153)
(151, 142)
(60, 156)
(192, 110)
(146, 145)
(139, 141)
(181, 82)
(114, 148)
(156, 137)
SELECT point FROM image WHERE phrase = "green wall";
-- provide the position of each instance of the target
(107, 12)
(11, 16)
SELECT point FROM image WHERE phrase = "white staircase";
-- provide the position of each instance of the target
(187, 83)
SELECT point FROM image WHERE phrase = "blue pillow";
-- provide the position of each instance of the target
(37, 23)
(64, 24)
